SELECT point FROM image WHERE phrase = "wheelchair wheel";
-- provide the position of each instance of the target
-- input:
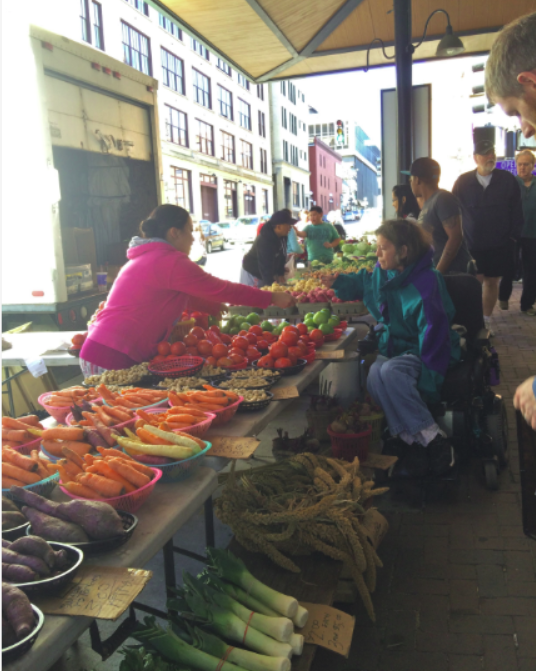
(491, 475)
(497, 428)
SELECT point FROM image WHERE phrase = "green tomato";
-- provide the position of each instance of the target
(267, 326)
(326, 311)
(336, 319)
(310, 323)
(326, 329)
(253, 318)
(234, 331)
(283, 324)
(309, 315)
(244, 326)
(333, 323)
(321, 318)
(226, 327)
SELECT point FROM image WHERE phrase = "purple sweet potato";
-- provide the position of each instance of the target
(35, 563)
(7, 504)
(18, 610)
(12, 519)
(8, 634)
(53, 529)
(5, 544)
(34, 500)
(18, 573)
(98, 519)
(36, 547)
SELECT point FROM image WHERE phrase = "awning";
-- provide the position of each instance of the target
(278, 39)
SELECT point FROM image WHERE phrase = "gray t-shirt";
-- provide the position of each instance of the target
(437, 209)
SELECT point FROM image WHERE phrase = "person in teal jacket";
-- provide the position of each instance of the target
(409, 299)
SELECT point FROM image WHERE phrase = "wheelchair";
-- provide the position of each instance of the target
(471, 414)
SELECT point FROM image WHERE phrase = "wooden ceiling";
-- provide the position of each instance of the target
(276, 39)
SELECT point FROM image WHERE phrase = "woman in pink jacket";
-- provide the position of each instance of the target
(153, 289)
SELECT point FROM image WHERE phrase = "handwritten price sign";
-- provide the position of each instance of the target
(103, 592)
(284, 393)
(328, 627)
(328, 356)
(233, 447)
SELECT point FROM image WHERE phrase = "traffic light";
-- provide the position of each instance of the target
(340, 133)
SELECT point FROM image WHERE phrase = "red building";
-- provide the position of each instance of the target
(325, 183)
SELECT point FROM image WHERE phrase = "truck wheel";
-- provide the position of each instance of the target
(497, 428)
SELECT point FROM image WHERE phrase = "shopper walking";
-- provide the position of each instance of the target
(321, 238)
(492, 220)
(440, 216)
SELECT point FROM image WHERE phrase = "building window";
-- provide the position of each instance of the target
(303, 195)
(264, 161)
(229, 198)
(182, 182)
(225, 103)
(284, 118)
(260, 91)
(224, 67)
(84, 21)
(249, 199)
(294, 155)
(204, 138)
(262, 124)
(227, 147)
(285, 151)
(265, 201)
(292, 93)
(246, 154)
(202, 89)
(293, 122)
(208, 179)
(136, 49)
(284, 88)
(92, 31)
(295, 194)
(243, 81)
(172, 71)
(200, 49)
(98, 34)
(169, 25)
(176, 126)
(244, 114)
(140, 6)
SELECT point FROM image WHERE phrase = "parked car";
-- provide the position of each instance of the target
(227, 229)
(214, 238)
(198, 252)
(246, 227)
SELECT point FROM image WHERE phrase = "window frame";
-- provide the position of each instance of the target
(249, 155)
(262, 123)
(163, 20)
(188, 179)
(224, 67)
(242, 116)
(227, 105)
(202, 50)
(197, 88)
(230, 187)
(260, 91)
(243, 81)
(98, 28)
(225, 148)
(169, 54)
(125, 24)
(169, 126)
(85, 21)
(200, 140)
(264, 161)
(265, 204)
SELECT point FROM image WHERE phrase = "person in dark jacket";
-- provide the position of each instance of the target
(492, 219)
(265, 262)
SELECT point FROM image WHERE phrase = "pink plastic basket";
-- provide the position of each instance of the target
(59, 414)
(130, 503)
(26, 448)
(349, 445)
(226, 414)
(198, 430)
(124, 425)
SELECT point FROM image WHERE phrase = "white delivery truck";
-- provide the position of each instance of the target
(87, 128)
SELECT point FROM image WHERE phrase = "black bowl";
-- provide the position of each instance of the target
(130, 522)
(14, 651)
(15, 532)
(291, 370)
(253, 406)
(76, 557)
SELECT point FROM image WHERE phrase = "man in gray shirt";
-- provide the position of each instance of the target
(440, 216)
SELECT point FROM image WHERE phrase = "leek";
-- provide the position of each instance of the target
(296, 643)
(301, 617)
(137, 659)
(238, 594)
(232, 569)
(280, 628)
(226, 624)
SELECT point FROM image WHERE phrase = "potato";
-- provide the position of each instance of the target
(52, 529)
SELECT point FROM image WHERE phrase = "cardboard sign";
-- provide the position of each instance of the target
(376, 527)
(381, 461)
(328, 627)
(335, 354)
(233, 447)
(283, 393)
(103, 592)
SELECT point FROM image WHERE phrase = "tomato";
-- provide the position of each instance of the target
(293, 360)
(296, 352)
(236, 359)
(171, 357)
(241, 342)
(253, 353)
(302, 329)
(252, 338)
(210, 361)
(266, 362)
(178, 348)
(224, 362)
(289, 338)
(190, 340)
(235, 350)
(278, 350)
(304, 338)
(215, 329)
(198, 332)
(262, 344)
(256, 330)
(163, 348)
(291, 329)
(79, 339)
(214, 338)
(226, 339)
(220, 350)
(200, 319)
(242, 333)
(192, 351)
(204, 347)
(316, 334)
(159, 357)
(268, 336)
(283, 362)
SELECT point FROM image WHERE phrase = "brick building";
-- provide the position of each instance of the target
(326, 176)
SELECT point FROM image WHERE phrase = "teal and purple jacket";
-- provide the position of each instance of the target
(416, 312)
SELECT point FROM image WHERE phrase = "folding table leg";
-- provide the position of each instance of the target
(209, 523)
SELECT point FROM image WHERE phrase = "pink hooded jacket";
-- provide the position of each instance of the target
(150, 294)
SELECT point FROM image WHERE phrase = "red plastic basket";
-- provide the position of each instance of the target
(59, 414)
(349, 445)
(197, 430)
(331, 337)
(343, 325)
(239, 366)
(130, 503)
(318, 343)
(180, 366)
(310, 356)
(226, 414)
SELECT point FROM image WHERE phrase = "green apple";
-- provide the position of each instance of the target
(335, 318)
(326, 311)
(267, 326)
(321, 317)
(253, 318)
(226, 327)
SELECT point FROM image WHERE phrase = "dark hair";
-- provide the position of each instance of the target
(162, 219)
(404, 232)
(316, 208)
(411, 206)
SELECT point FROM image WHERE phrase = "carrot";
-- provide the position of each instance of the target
(142, 468)
(185, 419)
(41, 465)
(31, 420)
(74, 457)
(106, 394)
(150, 438)
(17, 435)
(104, 486)
(8, 482)
(191, 410)
(89, 459)
(131, 474)
(211, 400)
(64, 473)
(120, 413)
(63, 433)
(147, 416)
(127, 404)
(80, 490)
(17, 473)
(210, 408)
(140, 423)
(102, 468)
(110, 452)
(70, 467)
(27, 463)
(104, 418)
(10, 423)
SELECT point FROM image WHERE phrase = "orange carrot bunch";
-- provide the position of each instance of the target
(112, 474)
(177, 418)
(209, 400)
(20, 470)
(131, 398)
(109, 416)
(70, 396)
(15, 431)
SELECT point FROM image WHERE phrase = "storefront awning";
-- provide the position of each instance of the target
(278, 39)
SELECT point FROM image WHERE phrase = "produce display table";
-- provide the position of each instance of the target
(34, 344)
(162, 515)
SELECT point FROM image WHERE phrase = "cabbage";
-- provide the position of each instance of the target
(348, 249)
(362, 247)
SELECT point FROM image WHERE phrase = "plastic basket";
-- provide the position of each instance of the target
(43, 487)
(318, 421)
(291, 370)
(243, 310)
(343, 325)
(119, 427)
(274, 311)
(146, 407)
(177, 471)
(310, 356)
(59, 414)
(130, 503)
(197, 430)
(226, 414)
(347, 446)
(239, 366)
(376, 421)
(180, 366)
(304, 308)
(355, 308)
(332, 337)
(180, 329)
(26, 448)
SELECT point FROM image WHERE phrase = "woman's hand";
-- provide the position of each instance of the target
(328, 280)
(524, 400)
(283, 300)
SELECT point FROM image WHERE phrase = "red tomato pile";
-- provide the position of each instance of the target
(294, 343)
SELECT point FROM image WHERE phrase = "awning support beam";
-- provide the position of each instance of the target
(403, 85)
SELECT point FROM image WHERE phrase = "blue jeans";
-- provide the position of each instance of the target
(392, 383)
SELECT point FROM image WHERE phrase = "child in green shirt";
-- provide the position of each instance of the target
(320, 238)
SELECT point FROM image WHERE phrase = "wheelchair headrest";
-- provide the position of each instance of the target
(465, 292)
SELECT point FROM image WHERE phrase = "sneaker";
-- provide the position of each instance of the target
(440, 455)
(503, 305)
(412, 463)
(531, 312)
